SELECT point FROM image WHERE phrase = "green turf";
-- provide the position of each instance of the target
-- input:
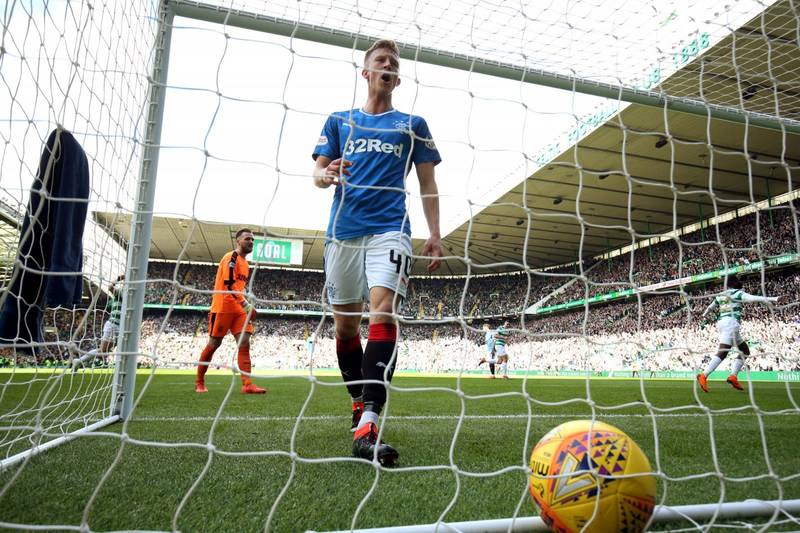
(247, 472)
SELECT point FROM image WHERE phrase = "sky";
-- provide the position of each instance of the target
(244, 108)
(255, 102)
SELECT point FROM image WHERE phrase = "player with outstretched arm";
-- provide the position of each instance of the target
(729, 302)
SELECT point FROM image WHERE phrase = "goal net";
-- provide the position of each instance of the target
(605, 168)
(74, 86)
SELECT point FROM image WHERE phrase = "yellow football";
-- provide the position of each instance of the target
(592, 474)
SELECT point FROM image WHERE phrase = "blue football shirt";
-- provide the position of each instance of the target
(382, 148)
(489, 341)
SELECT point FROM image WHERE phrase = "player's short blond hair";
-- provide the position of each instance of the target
(382, 43)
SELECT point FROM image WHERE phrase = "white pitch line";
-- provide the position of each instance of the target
(324, 418)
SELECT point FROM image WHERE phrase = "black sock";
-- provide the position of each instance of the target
(350, 356)
(491, 368)
(377, 359)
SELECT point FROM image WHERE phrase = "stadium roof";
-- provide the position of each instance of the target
(9, 237)
(646, 170)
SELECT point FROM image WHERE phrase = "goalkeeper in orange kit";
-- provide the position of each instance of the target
(230, 311)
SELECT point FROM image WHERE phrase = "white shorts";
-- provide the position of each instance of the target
(354, 266)
(110, 331)
(500, 350)
(729, 331)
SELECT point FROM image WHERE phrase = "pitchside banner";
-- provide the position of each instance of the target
(277, 251)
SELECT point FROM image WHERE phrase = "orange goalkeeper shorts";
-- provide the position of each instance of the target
(219, 324)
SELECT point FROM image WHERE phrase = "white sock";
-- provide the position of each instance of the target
(737, 366)
(366, 418)
(91, 354)
(504, 369)
(712, 365)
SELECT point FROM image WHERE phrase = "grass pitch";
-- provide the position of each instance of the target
(228, 462)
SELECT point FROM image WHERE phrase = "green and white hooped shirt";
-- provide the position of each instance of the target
(730, 304)
(500, 336)
(115, 305)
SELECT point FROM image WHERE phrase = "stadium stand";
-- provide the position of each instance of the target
(575, 339)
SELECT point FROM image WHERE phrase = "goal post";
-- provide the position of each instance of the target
(699, 513)
(142, 222)
(68, 385)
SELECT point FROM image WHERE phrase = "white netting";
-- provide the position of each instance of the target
(79, 71)
(531, 177)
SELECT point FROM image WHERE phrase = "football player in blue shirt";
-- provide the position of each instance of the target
(366, 154)
(489, 339)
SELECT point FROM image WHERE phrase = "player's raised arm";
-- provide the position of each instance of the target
(430, 206)
(752, 298)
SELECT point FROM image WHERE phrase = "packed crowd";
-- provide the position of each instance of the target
(282, 344)
(648, 322)
(65, 333)
(695, 252)
(659, 333)
(674, 309)
(509, 294)
(283, 289)
(192, 284)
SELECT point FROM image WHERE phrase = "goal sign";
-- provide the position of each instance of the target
(277, 251)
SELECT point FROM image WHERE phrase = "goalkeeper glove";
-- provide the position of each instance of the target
(248, 307)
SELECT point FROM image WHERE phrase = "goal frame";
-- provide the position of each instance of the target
(124, 380)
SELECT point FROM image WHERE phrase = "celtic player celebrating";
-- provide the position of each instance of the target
(500, 338)
(110, 326)
(730, 303)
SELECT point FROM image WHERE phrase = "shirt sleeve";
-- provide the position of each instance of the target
(750, 298)
(425, 150)
(328, 142)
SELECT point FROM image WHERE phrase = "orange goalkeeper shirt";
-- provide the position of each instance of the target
(232, 276)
